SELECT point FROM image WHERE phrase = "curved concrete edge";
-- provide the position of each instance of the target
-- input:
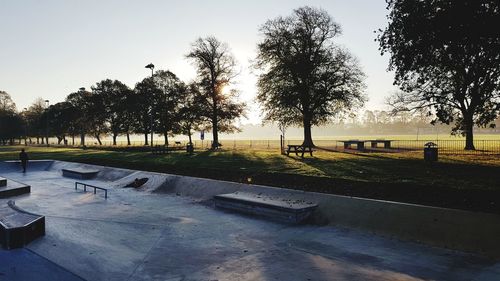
(12, 204)
(449, 228)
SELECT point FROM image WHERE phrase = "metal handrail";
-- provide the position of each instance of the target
(93, 186)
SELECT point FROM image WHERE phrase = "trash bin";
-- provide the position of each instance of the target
(430, 152)
(189, 148)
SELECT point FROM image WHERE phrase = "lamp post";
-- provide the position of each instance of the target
(152, 67)
(46, 122)
(25, 110)
(81, 126)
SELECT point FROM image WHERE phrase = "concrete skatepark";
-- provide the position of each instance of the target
(169, 230)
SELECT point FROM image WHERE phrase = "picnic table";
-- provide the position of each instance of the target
(299, 149)
(387, 143)
(360, 144)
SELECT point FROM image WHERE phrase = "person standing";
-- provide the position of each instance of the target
(23, 156)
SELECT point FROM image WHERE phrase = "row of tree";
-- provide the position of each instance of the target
(161, 103)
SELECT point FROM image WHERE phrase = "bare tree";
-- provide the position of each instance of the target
(216, 69)
(306, 79)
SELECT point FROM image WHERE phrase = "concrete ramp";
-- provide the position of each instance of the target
(33, 165)
(155, 180)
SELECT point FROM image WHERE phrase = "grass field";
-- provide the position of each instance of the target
(327, 171)
(457, 171)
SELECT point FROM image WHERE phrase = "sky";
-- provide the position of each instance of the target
(51, 48)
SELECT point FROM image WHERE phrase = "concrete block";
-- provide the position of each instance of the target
(18, 227)
(79, 173)
(13, 188)
(282, 209)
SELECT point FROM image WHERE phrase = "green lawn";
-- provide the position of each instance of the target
(458, 171)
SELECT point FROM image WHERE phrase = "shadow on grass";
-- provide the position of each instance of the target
(444, 184)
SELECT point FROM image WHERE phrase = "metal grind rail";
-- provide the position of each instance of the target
(92, 186)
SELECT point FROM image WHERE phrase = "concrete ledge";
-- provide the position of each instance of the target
(284, 210)
(13, 188)
(79, 173)
(18, 227)
(3, 182)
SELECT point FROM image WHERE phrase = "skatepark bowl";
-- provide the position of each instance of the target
(169, 229)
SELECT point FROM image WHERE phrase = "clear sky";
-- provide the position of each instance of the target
(50, 48)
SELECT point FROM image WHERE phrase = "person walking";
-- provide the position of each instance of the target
(23, 156)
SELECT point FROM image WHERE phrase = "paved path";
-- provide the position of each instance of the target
(138, 236)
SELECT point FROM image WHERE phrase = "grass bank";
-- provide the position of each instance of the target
(457, 181)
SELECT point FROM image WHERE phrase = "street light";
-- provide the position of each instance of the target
(152, 67)
(25, 110)
(47, 122)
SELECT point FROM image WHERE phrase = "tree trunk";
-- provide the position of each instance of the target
(43, 140)
(215, 132)
(469, 134)
(98, 139)
(73, 140)
(146, 138)
(128, 138)
(307, 132)
(189, 135)
(82, 139)
(59, 140)
(165, 135)
(114, 139)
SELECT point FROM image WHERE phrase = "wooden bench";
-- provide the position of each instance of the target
(18, 227)
(79, 173)
(280, 209)
(92, 186)
(299, 149)
(387, 143)
(360, 145)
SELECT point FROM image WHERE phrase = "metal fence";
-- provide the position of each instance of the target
(444, 146)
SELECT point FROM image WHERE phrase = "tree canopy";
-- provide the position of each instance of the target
(11, 125)
(446, 57)
(305, 77)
